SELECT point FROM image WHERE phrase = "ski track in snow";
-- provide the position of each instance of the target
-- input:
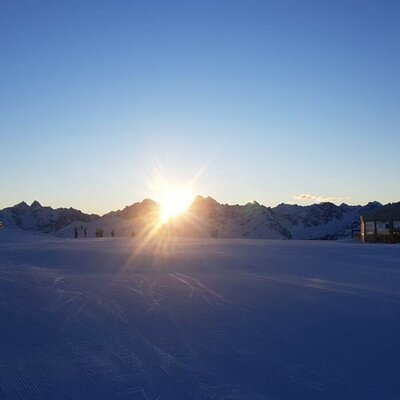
(198, 319)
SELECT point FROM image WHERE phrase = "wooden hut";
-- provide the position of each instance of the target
(381, 225)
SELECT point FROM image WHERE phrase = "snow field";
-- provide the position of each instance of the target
(197, 319)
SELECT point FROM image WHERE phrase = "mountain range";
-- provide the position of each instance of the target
(205, 218)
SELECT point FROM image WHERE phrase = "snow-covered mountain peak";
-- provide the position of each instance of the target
(36, 205)
(43, 219)
(21, 206)
(144, 208)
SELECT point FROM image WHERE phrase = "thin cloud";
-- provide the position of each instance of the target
(319, 199)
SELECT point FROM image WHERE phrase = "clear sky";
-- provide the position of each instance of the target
(267, 99)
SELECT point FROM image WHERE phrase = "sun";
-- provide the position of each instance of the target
(174, 202)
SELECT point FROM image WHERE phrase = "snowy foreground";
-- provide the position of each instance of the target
(198, 319)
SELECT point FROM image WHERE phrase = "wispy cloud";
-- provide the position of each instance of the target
(319, 199)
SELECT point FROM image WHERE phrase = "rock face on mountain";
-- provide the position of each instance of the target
(146, 208)
(41, 219)
(205, 218)
(321, 221)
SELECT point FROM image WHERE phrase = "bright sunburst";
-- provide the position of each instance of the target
(174, 202)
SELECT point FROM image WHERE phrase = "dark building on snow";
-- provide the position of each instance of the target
(381, 225)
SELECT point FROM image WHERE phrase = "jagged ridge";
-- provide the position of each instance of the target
(206, 217)
(43, 219)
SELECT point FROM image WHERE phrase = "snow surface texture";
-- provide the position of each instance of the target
(197, 319)
(205, 218)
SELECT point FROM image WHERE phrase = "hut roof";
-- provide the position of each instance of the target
(385, 213)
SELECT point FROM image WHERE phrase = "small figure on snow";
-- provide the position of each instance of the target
(76, 233)
(85, 232)
(112, 233)
(99, 232)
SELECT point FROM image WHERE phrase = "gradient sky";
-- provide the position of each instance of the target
(269, 99)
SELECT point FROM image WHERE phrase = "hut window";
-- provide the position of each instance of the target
(382, 227)
(369, 227)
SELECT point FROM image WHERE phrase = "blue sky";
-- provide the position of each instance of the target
(269, 99)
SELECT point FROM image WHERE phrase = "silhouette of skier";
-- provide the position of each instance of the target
(85, 232)
(99, 232)
(76, 233)
(112, 233)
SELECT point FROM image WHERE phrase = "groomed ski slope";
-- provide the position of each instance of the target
(198, 319)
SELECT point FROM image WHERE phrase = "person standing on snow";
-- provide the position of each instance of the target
(76, 233)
